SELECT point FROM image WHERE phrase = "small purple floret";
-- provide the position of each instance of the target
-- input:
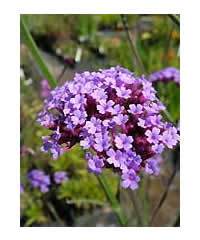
(60, 177)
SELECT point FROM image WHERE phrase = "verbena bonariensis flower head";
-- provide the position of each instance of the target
(38, 179)
(166, 75)
(60, 177)
(114, 114)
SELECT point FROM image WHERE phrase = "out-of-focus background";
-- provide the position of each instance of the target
(76, 43)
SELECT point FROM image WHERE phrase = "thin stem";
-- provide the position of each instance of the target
(164, 196)
(144, 198)
(35, 52)
(175, 19)
(133, 47)
(62, 73)
(169, 40)
(137, 207)
(112, 199)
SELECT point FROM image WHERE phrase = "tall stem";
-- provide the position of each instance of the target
(164, 196)
(137, 207)
(112, 199)
(133, 47)
(35, 52)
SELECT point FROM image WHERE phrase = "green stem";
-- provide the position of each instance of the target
(137, 207)
(133, 47)
(144, 198)
(113, 201)
(35, 52)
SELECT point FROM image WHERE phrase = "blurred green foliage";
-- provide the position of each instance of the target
(157, 41)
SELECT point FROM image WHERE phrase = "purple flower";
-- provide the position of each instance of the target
(174, 133)
(93, 125)
(54, 148)
(110, 81)
(130, 179)
(158, 148)
(99, 94)
(109, 123)
(123, 141)
(151, 165)
(46, 121)
(115, 157)
(135, 109)
(133, 161)
(95, 165)
(90, 126)
(88, 155)
(168, 139)
(60, 177)
(148, 91)
(68, 107)
(74, 88)
(153, 136)
(56, 135)
(156, 120)
(141, 123)
(127, 78)
(102, 142)
(117, 109)
(79, 117)
(78, 101)
(105, 106)
(166, 75)
(144, 123)
(158, 106)
(122, 92)
(39, 180)
(120, 119)
(87, 142)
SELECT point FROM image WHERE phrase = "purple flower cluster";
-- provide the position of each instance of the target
(60, 177)
(113, 114)
(39, 180)
(45, 88)
(166, 75)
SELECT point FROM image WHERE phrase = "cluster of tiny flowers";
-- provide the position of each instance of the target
(45, 88)
(166, 75)
(39, 179)
(114, 114)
